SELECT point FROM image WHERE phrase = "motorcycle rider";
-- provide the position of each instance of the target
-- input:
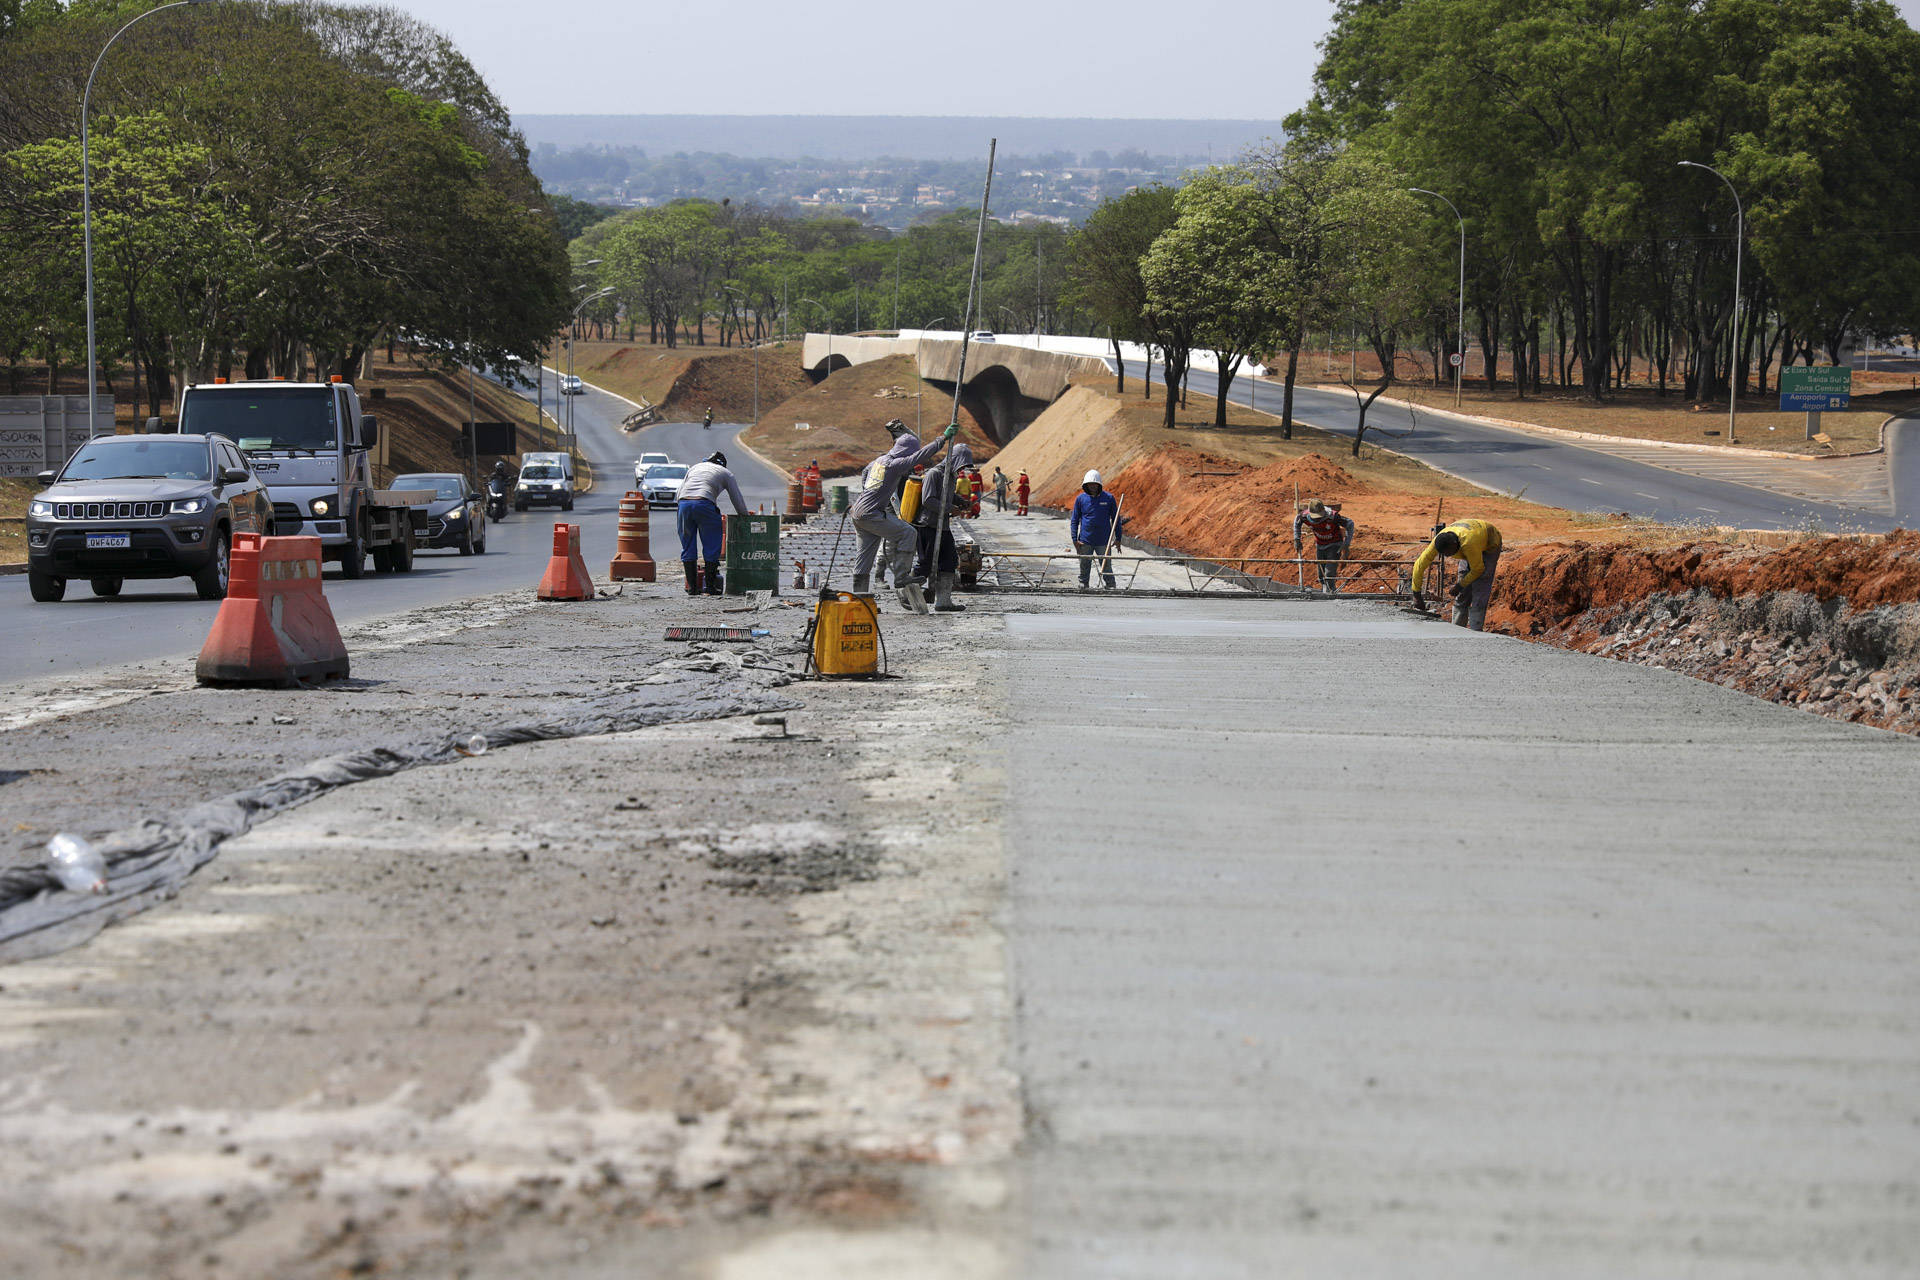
(499, 489)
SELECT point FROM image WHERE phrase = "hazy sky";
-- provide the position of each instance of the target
(1236, 59)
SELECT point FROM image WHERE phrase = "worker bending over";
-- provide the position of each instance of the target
(1094, 527)
(877, 519)
(1332, 539)
(1478, 544)
(699, 517)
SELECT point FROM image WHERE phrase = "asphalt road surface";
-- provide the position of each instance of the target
(161, 619)
(1347, 943)
(1541, 469)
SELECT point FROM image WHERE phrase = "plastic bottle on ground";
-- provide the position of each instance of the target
(77, 864)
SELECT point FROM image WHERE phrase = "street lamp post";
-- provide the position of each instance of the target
(1733, 331)
(1460, 352)
(566, 389)
(86, 201)
(756, 357)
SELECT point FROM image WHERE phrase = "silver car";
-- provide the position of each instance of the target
(662, 485)
(159, 506)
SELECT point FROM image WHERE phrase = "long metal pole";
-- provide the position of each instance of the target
(1733, 334)
(1460, 347)
(960, 378)
(86, 204)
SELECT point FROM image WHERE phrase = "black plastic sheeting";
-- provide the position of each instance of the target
(149, 863)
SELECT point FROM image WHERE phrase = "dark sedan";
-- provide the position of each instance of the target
(457, 517)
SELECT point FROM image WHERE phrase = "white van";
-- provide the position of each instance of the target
(546, 479)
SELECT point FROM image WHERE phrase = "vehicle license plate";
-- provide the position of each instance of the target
(109, 541)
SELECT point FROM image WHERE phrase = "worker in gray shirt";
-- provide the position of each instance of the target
(699, 518)
(877, 520)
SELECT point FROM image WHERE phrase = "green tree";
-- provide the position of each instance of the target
(1104, 266)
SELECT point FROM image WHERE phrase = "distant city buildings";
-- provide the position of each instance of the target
(892, 192)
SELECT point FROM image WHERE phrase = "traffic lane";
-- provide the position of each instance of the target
(1561, 474)
(164, 619)
(597, 415)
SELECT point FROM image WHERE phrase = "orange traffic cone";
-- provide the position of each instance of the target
(274, 627)
(632, 558)
(566, 577)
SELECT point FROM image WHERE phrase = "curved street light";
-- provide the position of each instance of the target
(1461, 353)
(86, 201)
(1733, 332)
(590, 298)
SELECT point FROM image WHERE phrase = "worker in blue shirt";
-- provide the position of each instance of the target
(1094, 527)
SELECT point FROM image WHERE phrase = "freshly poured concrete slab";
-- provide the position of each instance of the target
(1350, 944)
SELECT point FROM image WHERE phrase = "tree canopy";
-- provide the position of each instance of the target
(275, 187)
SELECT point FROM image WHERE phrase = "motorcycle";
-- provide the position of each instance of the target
(497, 498)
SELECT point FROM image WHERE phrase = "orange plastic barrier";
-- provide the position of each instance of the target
(274, 627)
(632, 555)
(566, 577)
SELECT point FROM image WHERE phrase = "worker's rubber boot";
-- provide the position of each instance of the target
(912, 597)
(714, 585)
(693, 577)
(943, 595)
(863, 584)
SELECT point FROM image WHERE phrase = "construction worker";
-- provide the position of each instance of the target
(1094, 527)
(706, 423)
(1000, 486)
(1021, 488)
(944, 570)
(1478, 544)
(1332, 539)
(699, 518)
(878, 521)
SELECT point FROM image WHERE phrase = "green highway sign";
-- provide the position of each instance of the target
(1815, 388)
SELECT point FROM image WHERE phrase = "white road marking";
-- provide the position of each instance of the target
(1654, 496)
(1584, 480)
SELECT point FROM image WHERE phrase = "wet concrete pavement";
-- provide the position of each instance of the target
(1348, 943)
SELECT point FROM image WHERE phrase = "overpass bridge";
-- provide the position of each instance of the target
(1010, 382)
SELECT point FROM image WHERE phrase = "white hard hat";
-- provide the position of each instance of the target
(1092, 477)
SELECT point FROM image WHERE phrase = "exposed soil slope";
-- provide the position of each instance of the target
(1828, 624)
(421, 411)
(841, 421)
(684, 382)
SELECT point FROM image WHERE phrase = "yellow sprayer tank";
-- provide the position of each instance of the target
(846, 635)
(910, 499)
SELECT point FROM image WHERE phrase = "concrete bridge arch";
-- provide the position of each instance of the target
(1007, 385)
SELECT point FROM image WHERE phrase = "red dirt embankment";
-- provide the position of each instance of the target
(1209, 505)
(1830, 625)
(1546, 586)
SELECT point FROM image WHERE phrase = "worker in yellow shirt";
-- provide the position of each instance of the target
(1478, 544)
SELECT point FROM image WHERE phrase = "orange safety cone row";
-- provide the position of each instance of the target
(632, 557)
(566, 577)
(274, 627)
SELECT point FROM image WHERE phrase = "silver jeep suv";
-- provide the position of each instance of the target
(152, 506)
